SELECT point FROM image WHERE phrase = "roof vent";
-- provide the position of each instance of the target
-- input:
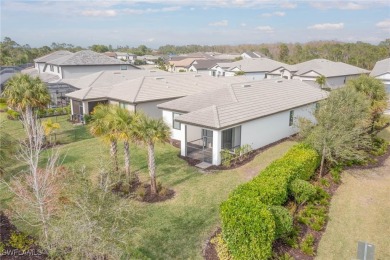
(246, 85)
(279, 81)
(157, 78)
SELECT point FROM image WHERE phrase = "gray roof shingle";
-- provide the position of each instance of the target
(53, 56)
(381, 67)
(249, 101)
(86, 57)
(327, 68)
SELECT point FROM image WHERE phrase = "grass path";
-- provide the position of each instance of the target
(359, 211)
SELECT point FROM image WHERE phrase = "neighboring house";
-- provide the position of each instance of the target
(137, 90)
(255, 113)
(226, 56)
(181, 65)
(381, 71)
(40, 63)
(253, 68)
(149, 59)
(251, 55)
(110, 54)
(203, 66)
(336, 73)
(122, 56)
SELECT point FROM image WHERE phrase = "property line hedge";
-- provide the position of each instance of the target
(249, 218)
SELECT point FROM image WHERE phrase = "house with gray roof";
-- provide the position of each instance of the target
(203, 66)
(254, 113)
(336, 73)
(137, 89)
(253, 68)
(381, 71)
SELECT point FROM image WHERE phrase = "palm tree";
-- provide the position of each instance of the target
(50, 127)
(24, 93)
(321, 80)
(125, 123)
(150, 131)
(102, 126)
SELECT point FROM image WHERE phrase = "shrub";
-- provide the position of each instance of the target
(221, 248)
(2, 247)
(379, 146)
(283, 221)
(141, 192)
(313, 216)
(335, 172)
(307, 245)
(248, 227)
(3, 100)
(20, 241)
(302, 190)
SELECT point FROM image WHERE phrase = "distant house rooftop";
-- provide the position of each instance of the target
(53, 56)
(380, 68)
(86, 57)
(253, 65)
(327, 68)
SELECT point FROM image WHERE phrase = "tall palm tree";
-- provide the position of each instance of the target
(125, 123)
(102, 126)
(321, 80)
(151, 131)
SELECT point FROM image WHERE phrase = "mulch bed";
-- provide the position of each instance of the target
(6, 229)
(209, 251)
(125, 192)
(153, 198)
(249, 158)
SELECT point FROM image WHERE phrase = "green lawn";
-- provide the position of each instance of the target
(177, 228)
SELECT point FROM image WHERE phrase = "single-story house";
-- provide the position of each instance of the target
(182, 65)
(253, 68)
(381, 71)
(203, 66)
(251, 55)
(137, 89)
(336, 73)
(255, 113)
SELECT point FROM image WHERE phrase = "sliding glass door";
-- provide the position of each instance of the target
(231, 138)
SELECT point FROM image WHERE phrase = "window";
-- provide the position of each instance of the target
(291, 122)
(231, 138)
(123, 67)
(122, 105)
(176, 125)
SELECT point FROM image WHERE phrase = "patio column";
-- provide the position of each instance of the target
(71, 106)
(183, 140)
(217, 139)
(85, 108)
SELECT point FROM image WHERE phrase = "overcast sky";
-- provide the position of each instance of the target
(155, 22)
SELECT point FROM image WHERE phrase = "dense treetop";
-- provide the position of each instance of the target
(359, 54)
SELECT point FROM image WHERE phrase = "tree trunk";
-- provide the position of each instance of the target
(127, 160)
(114, 154)
(322, 162)
(152, 168)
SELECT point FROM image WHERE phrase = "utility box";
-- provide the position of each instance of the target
(365, 251)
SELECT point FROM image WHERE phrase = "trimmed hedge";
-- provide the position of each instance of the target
(283, 221)
(302, 190)
(248, 227)
(250, 219)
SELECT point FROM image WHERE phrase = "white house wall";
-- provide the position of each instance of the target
(255, 75)
(263, 131)
(168, 119)
(129, 106)
(150, 108)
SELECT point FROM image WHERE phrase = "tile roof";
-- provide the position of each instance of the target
(327, 68)
(86, 57)
(144, 88)
(254, 54)
(183, 62)
(205, 64)
(53, 56)
(253, 65)
(44, 76)
(381, 67)
(243, 102)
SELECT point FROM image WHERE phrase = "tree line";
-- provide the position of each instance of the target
(360, 54)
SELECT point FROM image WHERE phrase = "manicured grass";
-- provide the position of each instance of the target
(177, 228)
(359, 212)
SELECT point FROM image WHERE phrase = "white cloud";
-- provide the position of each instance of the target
(273, 14)
(105, 13)
(150, 40)
(338, 5)
(288, 5)
(220, 23)
(385, 24)
(243, 24)
(266, 29)
(327, 26)
(151, 10)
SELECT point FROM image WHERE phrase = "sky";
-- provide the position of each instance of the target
(180, 22)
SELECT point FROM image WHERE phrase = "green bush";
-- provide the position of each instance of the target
(313, 216)
(283, 221)
(248, 227)
(20, 241)
(302, 191)
(221, 248)
(3, 100)
(335, 172)
(379, 146)
(2, 247)
(12, 114)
